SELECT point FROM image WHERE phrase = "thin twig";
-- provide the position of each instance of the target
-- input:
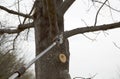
(19, 11)
(105, 33)
(116, 45)
(14, 12)
(110, 11)
(27, 34)
(98, 12)
(26, 19)
(14, 40)
(107, 6)
(84, 22)
(89, 37)
(14, 3)
(29, 13)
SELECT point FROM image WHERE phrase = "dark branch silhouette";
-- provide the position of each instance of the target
(91, 29)
(14, 12)
(20, 28)
(67, 34)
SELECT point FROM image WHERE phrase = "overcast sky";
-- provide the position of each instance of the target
(97, 55)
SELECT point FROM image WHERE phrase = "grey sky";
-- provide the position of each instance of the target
(89, 57)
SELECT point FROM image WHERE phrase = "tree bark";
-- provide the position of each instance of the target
(49, 66)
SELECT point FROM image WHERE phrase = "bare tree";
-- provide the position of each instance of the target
(48, 23)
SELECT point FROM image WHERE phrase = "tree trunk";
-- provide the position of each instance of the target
(50, 66)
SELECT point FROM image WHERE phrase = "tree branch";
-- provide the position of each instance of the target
(14, 12)
(90, 29)
(20, 28)
(65, 6)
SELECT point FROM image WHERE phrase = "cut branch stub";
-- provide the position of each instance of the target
(62, 58)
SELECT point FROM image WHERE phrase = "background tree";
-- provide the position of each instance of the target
(9, 63)
(10, 60)
(48, 23)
